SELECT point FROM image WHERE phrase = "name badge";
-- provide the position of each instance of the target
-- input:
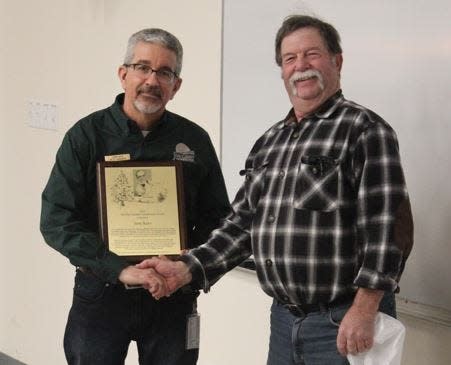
(123, 157)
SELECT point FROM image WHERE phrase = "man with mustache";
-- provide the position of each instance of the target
(323, 208)
(105, 316)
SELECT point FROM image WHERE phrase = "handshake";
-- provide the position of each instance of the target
(159, 275)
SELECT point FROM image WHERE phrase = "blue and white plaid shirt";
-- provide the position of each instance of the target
(324, 209)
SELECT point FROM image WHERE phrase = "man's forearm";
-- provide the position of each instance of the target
(367, 300)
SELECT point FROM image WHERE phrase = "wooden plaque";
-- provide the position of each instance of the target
(141, 208)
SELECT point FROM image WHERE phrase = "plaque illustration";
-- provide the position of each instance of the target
(141, 190)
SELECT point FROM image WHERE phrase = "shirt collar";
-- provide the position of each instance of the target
(324, 111)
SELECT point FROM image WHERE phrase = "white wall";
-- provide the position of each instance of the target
(67, 52)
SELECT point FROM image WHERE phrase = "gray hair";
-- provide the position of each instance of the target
(292, 23)
(156, 36)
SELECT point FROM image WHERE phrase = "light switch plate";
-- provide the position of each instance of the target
(42, 115)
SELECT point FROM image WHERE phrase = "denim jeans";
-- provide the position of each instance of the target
(105, 318)
(311, 340)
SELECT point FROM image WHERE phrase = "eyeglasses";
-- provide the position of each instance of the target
(163, 75)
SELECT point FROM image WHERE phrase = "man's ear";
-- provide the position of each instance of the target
(122, 73)
(176, 86)
(339, 61)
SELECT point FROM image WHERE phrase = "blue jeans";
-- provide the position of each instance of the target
(105, 318)
(311, 340)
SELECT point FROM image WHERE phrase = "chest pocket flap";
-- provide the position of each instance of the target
(318, 184)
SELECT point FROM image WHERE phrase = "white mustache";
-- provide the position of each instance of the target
(305, 75)
(300, 76)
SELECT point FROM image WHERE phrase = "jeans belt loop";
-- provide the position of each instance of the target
(304, 309)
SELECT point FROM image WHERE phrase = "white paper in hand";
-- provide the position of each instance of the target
(388, 343)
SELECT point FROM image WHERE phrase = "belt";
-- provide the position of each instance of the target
(301, 310)
(86, 270)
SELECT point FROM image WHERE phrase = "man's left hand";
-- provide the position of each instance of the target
(356, 332)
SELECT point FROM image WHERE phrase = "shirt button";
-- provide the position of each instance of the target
(314, 170)
(285, 299)
(282, 173)
(268, 263)
(295, 135)
(271, 218)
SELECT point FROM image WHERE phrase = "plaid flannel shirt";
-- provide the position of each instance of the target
(324, 209)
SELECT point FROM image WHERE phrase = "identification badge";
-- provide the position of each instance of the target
(123, 157)
(192, 331)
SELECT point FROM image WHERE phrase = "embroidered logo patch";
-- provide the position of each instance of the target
(183, 153)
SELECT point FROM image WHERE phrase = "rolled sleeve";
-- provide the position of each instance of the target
(382, 195)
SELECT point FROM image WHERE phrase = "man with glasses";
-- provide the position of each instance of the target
(105, 316)
(324, 209)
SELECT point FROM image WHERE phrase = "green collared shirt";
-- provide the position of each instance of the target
(69, 221)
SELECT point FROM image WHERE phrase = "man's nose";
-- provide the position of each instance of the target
(151, 78)
(302, 63)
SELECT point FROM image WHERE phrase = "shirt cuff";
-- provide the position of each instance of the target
(110, 267)
(372, 279)
(197, 271)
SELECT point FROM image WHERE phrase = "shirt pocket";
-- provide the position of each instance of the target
(254, 184)
(318, 184)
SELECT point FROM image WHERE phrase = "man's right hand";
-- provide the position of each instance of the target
(147, 277)
(176, 273)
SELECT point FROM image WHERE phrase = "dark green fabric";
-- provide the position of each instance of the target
(69, 220)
